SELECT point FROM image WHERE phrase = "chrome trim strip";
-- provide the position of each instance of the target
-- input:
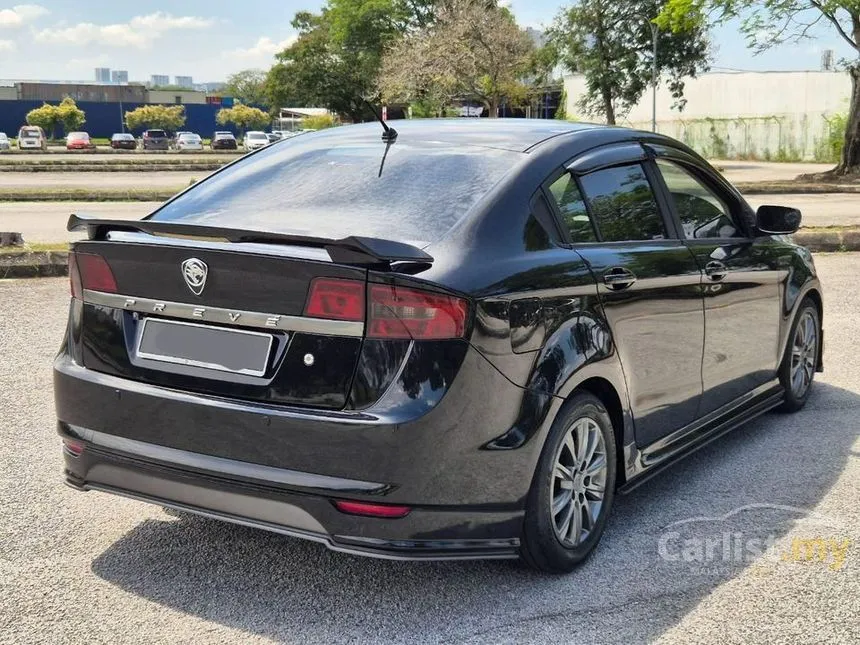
(222, 466)
(223, 316)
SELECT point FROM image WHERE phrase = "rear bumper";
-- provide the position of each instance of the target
(287, 502)
(280, 468)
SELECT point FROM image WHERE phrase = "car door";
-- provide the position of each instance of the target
(648, 282)
(740, 279)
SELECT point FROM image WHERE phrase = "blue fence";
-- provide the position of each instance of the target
(104, 119)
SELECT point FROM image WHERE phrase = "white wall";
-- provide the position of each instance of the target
(742, 114)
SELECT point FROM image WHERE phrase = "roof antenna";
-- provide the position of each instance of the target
(390, 134)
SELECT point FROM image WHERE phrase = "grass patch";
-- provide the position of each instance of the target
(35, 247)
(794, 187)
(88, 194)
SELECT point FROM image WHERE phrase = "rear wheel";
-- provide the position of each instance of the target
(573, 488)
(801, 357)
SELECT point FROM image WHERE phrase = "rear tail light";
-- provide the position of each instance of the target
(371, 510)
(73, 447)
(90, 271)
(402, 312)
(336, 299)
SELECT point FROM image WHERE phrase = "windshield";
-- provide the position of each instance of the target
(329, 186)
(256, 135)
(156, 133)
(123, 137)
(30, 132)
(189, 137)
(77, 136)
(3, 136)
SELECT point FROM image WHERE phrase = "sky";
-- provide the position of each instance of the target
(210, 39)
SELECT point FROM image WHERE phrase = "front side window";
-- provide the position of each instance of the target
(623, 204)
(571, 205)
(702, 213)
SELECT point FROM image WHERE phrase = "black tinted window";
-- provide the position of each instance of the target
(571, 205)
(156, 133)
(328, 184)
(623, 204)
(701, 212)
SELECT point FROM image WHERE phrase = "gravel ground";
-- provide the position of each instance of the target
(92, 568)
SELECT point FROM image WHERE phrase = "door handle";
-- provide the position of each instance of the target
(716, 270)
(619, 278)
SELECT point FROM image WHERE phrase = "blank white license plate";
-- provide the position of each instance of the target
(215, 348)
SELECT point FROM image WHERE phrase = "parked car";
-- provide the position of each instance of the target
(4, 142)
(32, 137)
(462, 352)
(223, 141)
(123, 141)
(255, 140)
(272, 137)
(79, 141)
(189, 141)
(174, 140)
(154, 140)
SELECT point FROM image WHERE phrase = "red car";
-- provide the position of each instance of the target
(79, 141)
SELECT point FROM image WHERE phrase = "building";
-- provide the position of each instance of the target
(119, 77)
(159, 80)
(94, 92)
(184, 81)
(760, 115)
(102, 74)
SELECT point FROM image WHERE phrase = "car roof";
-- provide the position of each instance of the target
(510, 134)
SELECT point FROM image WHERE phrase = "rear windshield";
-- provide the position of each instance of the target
(330, 186)
(256, 135)
(123, 136)
(74, 136)
(156, 133)
(30, 132)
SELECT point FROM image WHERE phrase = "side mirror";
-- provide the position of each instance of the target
(777, 220)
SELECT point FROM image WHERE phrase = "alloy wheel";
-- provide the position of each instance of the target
(578, 482)
(804, 352)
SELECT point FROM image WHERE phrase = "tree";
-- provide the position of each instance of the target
(164, 117)
(46, 117)
(770, 23)
(474, 49)
(243, 117)
(70, 115)
(249, 86)
(610, 42)
(336, 60)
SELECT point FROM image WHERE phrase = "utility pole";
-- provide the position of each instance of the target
(655, 33)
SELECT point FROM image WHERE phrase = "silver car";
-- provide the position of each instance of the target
(255, 139)
(4, 141)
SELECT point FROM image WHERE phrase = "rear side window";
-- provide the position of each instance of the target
(571, 206)
(701, 212)
(623, 204)
(333, 185)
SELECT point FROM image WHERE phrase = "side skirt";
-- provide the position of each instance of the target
(661, 454)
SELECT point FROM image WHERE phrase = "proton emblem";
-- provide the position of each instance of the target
(195, 271)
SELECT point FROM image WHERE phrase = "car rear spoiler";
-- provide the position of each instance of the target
(349, 250)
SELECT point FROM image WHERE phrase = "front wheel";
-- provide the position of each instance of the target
(573, 488)
(801, 357)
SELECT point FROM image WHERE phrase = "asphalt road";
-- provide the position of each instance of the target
(94, 568)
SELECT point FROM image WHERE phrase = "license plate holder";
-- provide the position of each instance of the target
(236, 351)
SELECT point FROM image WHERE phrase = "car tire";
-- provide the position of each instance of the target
(797, 370)
(579, 456)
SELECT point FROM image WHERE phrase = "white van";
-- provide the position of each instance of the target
(32, 137)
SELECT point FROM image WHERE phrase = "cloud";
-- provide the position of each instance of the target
(138, 32)
(264, 48)
(7, 46)
(21, 14)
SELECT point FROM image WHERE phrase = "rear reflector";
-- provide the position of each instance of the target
(401, 312)
(371, 510)
(90, 271)
(336, 299)
(74, 448)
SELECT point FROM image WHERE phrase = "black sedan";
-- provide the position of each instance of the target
(456, 341)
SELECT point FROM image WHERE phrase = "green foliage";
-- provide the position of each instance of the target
(248, 86)
(46, 117)
(829, 148)
(336, 59)
(70, 115)
(165, 117)
(320, 122)
(610, 42)
(561, 112)
(243, 117)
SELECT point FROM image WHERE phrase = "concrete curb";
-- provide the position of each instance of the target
(34, 264)
(45, 264)
(89, 194)
(203, 166)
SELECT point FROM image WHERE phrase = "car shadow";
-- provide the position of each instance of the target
(761, 481)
